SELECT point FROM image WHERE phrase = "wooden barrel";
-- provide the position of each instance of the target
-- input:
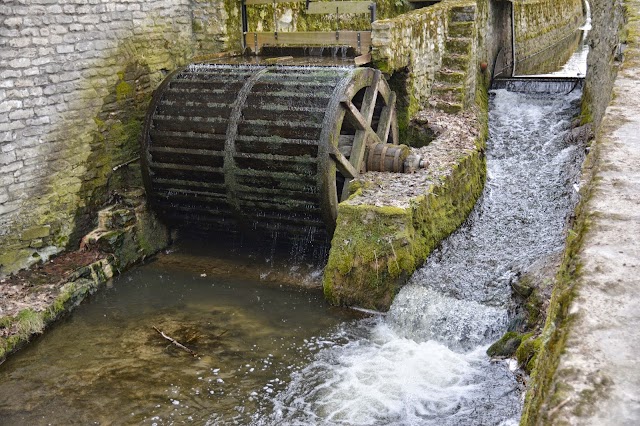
(385, 157)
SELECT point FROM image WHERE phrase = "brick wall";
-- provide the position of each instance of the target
(75, 78)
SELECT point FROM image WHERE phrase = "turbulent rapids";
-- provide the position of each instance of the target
(271, 356)
(425, 362)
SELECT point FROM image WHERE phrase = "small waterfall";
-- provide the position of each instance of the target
(539, 85)
(424, 362)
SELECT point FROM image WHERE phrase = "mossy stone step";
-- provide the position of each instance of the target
(456, 62)
(461, 46)
(461, 29)
(449, 92)
(451, 76)
(462, 13)
(446, 106)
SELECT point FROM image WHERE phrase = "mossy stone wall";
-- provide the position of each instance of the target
(540, 24)
(376, 249)
(415, 42)
(75, 81)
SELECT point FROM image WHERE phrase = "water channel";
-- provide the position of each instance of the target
(273, 354)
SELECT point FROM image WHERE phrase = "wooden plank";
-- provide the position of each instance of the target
(362, 59)
(325, 7)
(256, 40)
(255, 2)
(342, 164)
(384, 124)
(353, 116)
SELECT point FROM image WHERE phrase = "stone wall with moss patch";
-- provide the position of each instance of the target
(548, 394)
(414, 42)
(379, 242)
(541, 24)
(75, 79)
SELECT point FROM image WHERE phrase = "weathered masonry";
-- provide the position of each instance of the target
(76, 80)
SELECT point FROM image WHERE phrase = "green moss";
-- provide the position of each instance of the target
(123, 90)
(506, 346)
(29, 322)
(6, 321)
(527, 351)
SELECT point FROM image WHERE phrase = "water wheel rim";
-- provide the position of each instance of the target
(342, 107)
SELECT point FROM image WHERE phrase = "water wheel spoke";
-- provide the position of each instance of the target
(353, 116)
(384, 125)
(370, 97)
(395, 135)
(342, 164)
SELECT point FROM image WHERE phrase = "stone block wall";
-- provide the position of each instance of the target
(413, 41)
(540, 24)
(75, 79)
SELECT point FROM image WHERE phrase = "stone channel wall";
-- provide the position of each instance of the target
(559, 392)
(541, 24)
(75, 79)
(417, 43)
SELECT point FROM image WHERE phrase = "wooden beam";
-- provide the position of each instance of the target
(362, 59)
(384, 124)
(342, 164)
(325, 7)
(370, 96)
(353, 116)
(311, 38)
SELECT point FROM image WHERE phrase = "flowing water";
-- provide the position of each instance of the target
(269, 354)
(425, 362)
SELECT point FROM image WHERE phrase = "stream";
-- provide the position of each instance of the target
(269, 353)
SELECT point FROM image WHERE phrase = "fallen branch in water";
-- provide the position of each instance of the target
(175, 342)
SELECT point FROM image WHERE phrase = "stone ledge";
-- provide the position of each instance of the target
(392, 222)
(128, 233)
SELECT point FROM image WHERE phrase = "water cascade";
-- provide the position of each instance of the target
(271, 356)
(425, 362)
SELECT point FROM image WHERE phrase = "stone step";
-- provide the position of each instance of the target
(447, 75)
(462, 13)
(461, 29)
(460, 46)
(444, 105)
(454, 93)
(456, 62)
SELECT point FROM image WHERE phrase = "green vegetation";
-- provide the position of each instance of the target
(506, 346)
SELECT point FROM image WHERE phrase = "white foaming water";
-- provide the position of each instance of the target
(422, 314)
(424, 363)
(387, 379)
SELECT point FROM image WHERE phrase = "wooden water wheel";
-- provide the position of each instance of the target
(264, 148)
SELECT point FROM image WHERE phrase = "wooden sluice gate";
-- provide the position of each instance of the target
(268, 145)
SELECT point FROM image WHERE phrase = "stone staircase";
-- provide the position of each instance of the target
(453, 87)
